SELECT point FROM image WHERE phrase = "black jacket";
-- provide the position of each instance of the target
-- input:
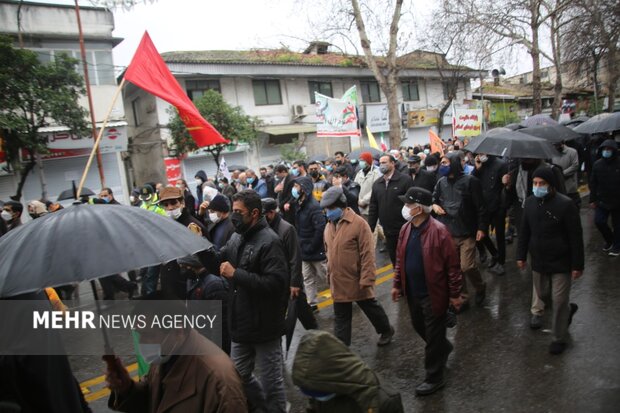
(202, 175)
(551, 232)
(605, 181)
(190, 201)
(288, 235)
(461, 197)
(284, 197)
(351, 191)
(259, 288)
(310, 223)
(385, 205)
(425, 179)
(490, 175)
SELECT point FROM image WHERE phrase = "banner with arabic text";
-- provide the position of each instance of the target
(467, 122)
(337, 117)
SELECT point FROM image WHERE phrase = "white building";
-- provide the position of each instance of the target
(278, 87)
(49, 30)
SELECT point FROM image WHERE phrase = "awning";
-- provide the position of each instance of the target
(61, 128)
(288, 129)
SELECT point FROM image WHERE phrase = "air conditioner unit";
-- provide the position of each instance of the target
(301, 111)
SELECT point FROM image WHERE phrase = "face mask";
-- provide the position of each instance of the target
(152, 353)
(384, 169)
(334, 214)
(540, 191)
(295, 193)
(483, 158)
(413, 171)
(363, 164)
(6, 215)
(338, 162)
(466, 159)
(106, 200)
(314, 174)
(427, 151)
(180, 186)
(606, 153)
(214, 217)
(250, 180)
(444, 170)
(199, 180)
(175, 213)
(237, 221)
(431, 168)
(295, 172)
(468, 169)
(406, 213)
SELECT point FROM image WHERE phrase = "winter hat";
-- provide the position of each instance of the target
(332, 195)
(417, 195)
(546, 173)
(38, 207)
(219, 203)
(190, 261)
(414, 159)
(366, 157)
(269, 204)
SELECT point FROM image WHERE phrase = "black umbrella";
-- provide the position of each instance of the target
(605, 122)
(237, 167)
(512, 144)
(71, 193)
(539, 119)
(85, 242)
(514, 126)
(576, 121)
(552, 133)
(375, 153)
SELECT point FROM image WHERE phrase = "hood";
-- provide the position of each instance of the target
(38, 207)
(306, 184)
(610, 143)
(456, 168)
(323, 363)
(201, 174)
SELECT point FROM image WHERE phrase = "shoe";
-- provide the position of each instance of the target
(557, 347)
(382, 249)
(607, 247)
(573, 309)
(133, 289)
(386, 338)
(427, 388)
(497, 269)
(314, 308)
(536, 322)
(615, 252)
(480, 296)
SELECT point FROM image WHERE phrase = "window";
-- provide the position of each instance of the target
(450, 88)
(135, 108)
(267, 92)
(324, 88)
(99, 62)
(197, 88)
(410, 90)
(370, 92)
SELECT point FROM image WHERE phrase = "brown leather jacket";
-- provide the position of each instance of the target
(441, 264)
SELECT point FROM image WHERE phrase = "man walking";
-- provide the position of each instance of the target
(351, 268)
(568, 161)
(551, 232)
(428, 274)
(605, 195)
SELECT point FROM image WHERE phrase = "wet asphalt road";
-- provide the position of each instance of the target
(498, 363)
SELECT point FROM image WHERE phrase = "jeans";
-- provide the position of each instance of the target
(432, 329)
(268, 395)
(611, 235)
(150, 278)
(343, 312)
(560, 294)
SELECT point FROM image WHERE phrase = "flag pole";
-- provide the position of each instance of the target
(96, 144)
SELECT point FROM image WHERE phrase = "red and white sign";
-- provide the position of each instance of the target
(173, 170)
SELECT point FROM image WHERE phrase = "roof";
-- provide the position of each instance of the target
(414, 60)
(525, 90)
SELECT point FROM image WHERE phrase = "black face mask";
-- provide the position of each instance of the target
(338, 162)
(237, 221)
(314, 174)
(413, 171)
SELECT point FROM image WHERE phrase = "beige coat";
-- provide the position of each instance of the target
(350, 258)
(365, 182)
(205, 383)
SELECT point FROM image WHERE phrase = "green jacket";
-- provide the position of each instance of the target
(153, 206)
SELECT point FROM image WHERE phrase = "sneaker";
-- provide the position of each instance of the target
(536, 322)
(386, 338)
(573, 309)
(427, 388)
(607, 247)
(614, 252)
(557, 347)
(314, 308)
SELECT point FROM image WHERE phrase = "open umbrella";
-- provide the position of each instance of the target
(512, 144)
(539, 119)
(375, 153)
(576, 121)
(605, 122)
(514, 126)
(84, 242)
(237, 167)
(552, 133)
(71, 193)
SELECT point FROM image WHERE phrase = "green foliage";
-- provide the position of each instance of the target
(346, 62)
(230, 121)
(36, 95)
(291, 152)
(288, 58)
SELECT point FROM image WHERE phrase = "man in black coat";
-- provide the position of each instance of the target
(421, 177)
(350, 188)
(254, 262)
(283, 189)
(551, 232)
(385, 204)
(605, 195)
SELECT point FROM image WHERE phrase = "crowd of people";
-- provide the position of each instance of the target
(280, 236)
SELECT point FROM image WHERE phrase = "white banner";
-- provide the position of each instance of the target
(337, 117)
(377, 118)
(114, 139)
(224, 169)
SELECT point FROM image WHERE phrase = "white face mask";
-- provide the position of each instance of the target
(483, 158)
(214, 217)
(431, 168)
(132, 199)
(175, 213)
(152, 353)
(6, 215)
(406, 213)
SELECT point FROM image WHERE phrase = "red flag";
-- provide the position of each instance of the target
(148, 71)
(437, 144)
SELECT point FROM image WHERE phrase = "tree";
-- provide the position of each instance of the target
(36, 95)
(230, 121)
(593, 37)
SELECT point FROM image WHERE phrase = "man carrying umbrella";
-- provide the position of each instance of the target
(605, 195)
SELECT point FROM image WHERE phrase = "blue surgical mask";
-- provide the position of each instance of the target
(427, 151)
(607, 153)
(363, 164)
(295, 193)
(250, 180)
(540, 191)
(106, 200)
(329, 168)
(334, 214)
(468, 169)
(444, 170)
(295, 172)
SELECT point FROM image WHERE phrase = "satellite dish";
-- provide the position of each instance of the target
(502, 71)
